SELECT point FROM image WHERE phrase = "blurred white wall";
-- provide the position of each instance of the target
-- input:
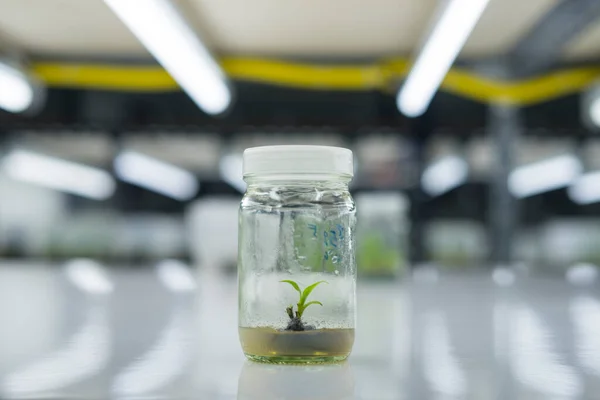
(28, 213)
(212, 226)
(152, 235)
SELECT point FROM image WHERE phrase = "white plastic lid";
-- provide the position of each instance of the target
(289, 160)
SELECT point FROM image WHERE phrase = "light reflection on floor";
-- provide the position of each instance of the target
(170, 332)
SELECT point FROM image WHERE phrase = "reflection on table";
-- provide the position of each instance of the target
(87, 330)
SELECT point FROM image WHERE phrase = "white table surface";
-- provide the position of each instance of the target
(95, 332)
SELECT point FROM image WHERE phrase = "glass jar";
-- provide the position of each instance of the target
(296, 261)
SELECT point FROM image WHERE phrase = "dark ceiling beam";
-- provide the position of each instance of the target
(542, 47)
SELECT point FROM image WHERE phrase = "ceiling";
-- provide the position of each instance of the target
(586, 46)
(304, 29)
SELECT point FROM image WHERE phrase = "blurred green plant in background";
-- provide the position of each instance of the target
(375, 258)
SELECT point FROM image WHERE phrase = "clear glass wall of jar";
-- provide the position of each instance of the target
(296, 267)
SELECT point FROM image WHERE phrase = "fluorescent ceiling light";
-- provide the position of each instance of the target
(586, 189)
(16, 92)
(543, 176)
(162, 30)
(59, 174)
(594, 111)
(437, 55)
(444, 175)
(158, 176)
(230, 167)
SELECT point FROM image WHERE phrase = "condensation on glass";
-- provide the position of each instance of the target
(296, 267)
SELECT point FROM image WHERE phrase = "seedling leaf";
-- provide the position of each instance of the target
(313, 302)
(294, 284)
(304, 295)
(302, 304)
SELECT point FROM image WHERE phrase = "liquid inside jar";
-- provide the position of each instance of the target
(269, 344)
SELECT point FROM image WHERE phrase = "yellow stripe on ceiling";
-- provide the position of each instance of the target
(524, 92)
(382, 76)
(111, 77)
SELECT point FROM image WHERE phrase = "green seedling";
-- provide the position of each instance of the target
(296, 323)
